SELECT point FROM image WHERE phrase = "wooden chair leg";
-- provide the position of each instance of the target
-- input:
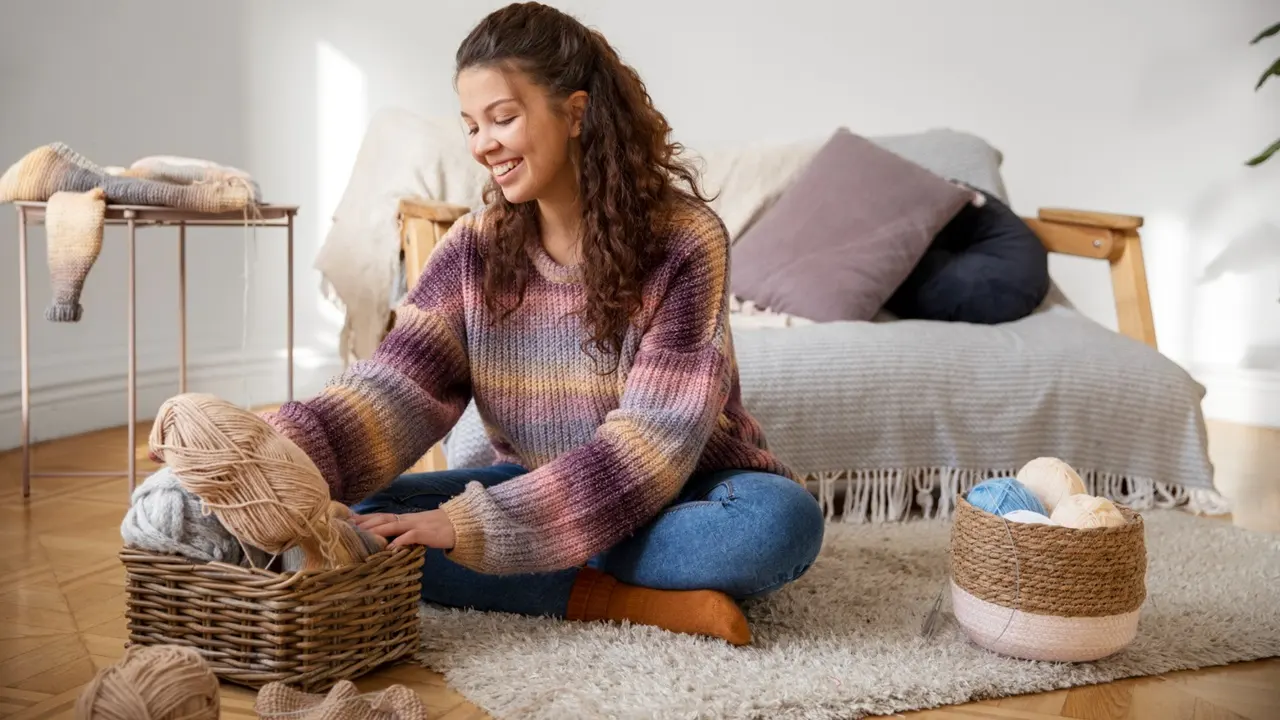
(1129, 283)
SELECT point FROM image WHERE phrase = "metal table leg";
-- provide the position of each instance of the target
(26, 353)
(133, 352)
(289, 341)
(182, 307)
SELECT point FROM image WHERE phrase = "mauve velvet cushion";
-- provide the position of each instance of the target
(845, 234)
(986, 266)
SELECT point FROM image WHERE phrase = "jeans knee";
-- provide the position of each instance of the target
(790, 532)
(808, 522)
(797, 516)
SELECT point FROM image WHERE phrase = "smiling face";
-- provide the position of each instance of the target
(519, 133)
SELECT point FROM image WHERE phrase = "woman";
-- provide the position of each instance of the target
(585, 310)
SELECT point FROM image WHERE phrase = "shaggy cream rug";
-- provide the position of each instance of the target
(844, 641)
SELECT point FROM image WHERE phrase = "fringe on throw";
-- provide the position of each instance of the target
(877, 496)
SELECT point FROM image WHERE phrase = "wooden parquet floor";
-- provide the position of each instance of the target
(62, 604)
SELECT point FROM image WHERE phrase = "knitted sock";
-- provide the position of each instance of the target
(73, 226)
(56, 167)
(597, 596)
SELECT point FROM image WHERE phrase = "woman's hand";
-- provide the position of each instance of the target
(431, 528)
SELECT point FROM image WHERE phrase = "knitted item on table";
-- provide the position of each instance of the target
(55, 167)
(343, 702)
(190, 171)
(180, 183)
(73, 225)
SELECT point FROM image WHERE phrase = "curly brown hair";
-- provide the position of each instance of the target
(629, 168)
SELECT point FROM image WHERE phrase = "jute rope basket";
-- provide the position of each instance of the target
(308, 629)
(1046, 592)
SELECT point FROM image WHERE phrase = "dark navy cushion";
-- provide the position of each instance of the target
(985, 266)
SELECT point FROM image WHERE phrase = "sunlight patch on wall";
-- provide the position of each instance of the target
(342, 109)
(1166, 245)
(1223, 320)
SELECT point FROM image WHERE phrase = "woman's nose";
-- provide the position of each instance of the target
(485, 143)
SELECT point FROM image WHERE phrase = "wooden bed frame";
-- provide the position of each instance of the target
(1101, 236)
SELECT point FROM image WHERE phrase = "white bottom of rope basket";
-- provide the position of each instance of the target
(1041, 637)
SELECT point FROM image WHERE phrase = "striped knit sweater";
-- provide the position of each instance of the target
(605, 453)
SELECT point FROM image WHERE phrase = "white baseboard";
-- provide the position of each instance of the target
(100, 402)
(1240, 395)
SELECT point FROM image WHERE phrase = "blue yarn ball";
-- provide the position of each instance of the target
(1002, 495)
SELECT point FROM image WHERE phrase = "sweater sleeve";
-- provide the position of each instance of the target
(380, 415)
(584, 501)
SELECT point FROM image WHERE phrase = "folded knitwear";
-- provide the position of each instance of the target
(78, 191)
(344, 701)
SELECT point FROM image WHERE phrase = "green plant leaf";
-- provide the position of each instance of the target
(1266, 33)
(1262, 157)
(1273, 70)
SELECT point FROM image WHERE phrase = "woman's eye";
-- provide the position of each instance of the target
(506, 121)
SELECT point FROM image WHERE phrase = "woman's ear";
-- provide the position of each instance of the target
(577, 107)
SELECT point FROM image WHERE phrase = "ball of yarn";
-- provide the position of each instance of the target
(1027, 516)
(1051, 479)
(165, 517)
(1002, 495)
(263, 488)
(152, 682)
(1087, 511)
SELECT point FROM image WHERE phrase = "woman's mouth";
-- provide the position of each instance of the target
(503, 169)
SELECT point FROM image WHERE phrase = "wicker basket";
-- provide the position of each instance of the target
(1046, 592)
(307, 629)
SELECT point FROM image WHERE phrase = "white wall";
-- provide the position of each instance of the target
(118, 81)
(1144, 107)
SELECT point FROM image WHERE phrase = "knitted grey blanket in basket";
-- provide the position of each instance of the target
(891, 419)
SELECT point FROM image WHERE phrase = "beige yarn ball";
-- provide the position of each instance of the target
(1087, 511)
(263, 488)
(1051, 480)
(152, 682)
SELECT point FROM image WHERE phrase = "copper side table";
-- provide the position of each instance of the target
(134, 217)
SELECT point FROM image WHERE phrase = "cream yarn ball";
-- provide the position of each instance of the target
(1051, 480)
(1087, 511)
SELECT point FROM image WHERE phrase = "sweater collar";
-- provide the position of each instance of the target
(551, 270)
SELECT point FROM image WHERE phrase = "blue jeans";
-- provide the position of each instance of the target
(744, 533)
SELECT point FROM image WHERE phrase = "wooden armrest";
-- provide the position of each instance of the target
(1087, 218)
(1109, 237)
(1079, 240)
(433, 210)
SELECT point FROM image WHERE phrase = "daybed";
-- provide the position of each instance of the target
(886, 419)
